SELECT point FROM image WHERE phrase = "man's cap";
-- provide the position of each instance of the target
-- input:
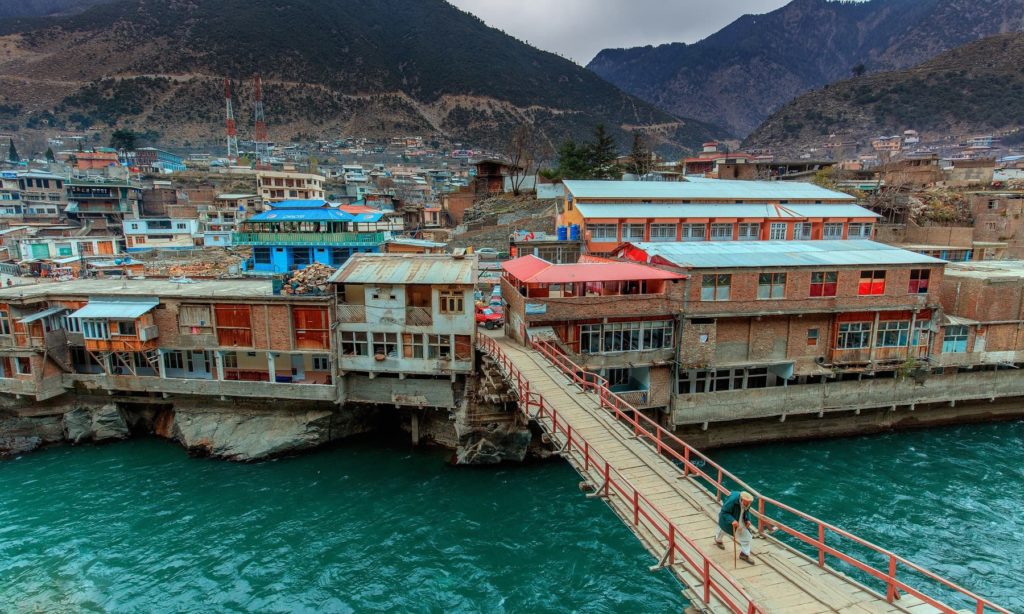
(746, 497)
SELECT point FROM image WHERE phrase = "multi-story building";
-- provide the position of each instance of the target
(406, 315)
(295, 234)
(613, 212)
(107, 199)
(43, 247)
(150, 159)
(10, 196)
(173, 234)
(277, 186)
(43, 195)
(984, 303)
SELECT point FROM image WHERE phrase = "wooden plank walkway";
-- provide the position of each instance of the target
(782, 580)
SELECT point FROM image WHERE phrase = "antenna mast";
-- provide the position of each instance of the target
(232, 130)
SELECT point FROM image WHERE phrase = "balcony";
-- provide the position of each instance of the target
(636, 398)
(312, 239)
(418, 316)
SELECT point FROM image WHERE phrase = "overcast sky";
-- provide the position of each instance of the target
(578, 29)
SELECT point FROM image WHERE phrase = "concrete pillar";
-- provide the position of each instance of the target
(874, 337)
(415, 428)
(160, 358)
(218, 361)
(911, 345)
(271, 369)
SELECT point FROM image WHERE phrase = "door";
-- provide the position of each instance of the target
(298, 367)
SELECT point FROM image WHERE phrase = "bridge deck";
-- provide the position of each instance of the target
(782, 580)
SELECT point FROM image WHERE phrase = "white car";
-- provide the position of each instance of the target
(487, 253)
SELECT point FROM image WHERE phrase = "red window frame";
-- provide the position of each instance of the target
(824, 284)
(872, 283)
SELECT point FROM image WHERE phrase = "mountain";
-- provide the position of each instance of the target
(974, 89)
(738, 76)
(329, 67)
(40, 8)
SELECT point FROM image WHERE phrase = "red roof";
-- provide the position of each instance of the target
(533, 270)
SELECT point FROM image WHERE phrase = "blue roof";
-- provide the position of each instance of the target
(315, 215)
(300, 204)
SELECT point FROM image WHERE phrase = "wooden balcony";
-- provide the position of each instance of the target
(120, 344)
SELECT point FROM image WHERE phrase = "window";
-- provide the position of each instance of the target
(439, 347)
(261, 255)
(893, 334)
(859, 231)
(312, 329)
(385, 344)
(5, 322)
(72, 325)
(195, 320)
(715, 287)
(919, 281)
(616, 377)
(181, 225)
(750, 232)
(23, 365)
(234, 327)
(95, 329)
(173, 360)
(812, 336)
(463, 348)
(954, 339)
(693, 232)
(230, 360)
(353, 343)
(832, 231)
(656, 335)
(321, 362)
(603, 233)
(853, 335)
(621, 337)
(302, 256)
(452, 302)
(721, 232)
(412, 345)
(135, 226)
(871, 283)
(632, 232)
(590, 338)
(124, 328)
(777, 231)
(824, 283)
(771, 285)
(802, 231)
(920, 335)
(663, 232)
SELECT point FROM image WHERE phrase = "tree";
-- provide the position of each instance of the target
(12, 153)
(49, 155)
(523, 154)
(640, 159)
(573, 160)
(123, 140)
(859, 70)
(603, 154)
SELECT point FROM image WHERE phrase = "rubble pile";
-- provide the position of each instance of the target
(310, 280)
(198, 264)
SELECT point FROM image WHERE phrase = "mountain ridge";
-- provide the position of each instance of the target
(739, 75)
(175, 52)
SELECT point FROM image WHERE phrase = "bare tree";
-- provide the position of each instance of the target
(524, 153)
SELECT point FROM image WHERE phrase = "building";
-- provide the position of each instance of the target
(997, 218)
(617, 319)
(984, 302)
(613, 212)
(149, 159)
(277, 186)
(95, 160)
(406, 315)
(10, 196)
(41, 247)
(170, 234)
(297, 233)
(103, 199)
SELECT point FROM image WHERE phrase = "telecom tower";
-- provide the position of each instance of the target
(260, 134)
(231, 128)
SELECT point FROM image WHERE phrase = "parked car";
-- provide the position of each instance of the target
(489, 318)
(487, 253)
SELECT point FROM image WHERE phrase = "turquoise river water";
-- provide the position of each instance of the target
(372, 526)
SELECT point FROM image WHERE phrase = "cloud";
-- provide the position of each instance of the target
(578, 29)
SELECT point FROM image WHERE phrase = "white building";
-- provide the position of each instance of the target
(162, 233)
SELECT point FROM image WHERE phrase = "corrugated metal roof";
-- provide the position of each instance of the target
(530, 269)
(116, 308)
(763, 254)
(745, 210)
(39, 315)
(300, 204)
(699, 188)
(316, 215)
(398, 269)
(415, 242)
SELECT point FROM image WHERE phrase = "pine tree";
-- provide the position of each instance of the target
(573, 161)
(603, 154)
(49, 155)
(640, 156)
(12, 153)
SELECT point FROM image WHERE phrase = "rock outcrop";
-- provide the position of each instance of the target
(101, 423)
(20, 434)
(489, 426)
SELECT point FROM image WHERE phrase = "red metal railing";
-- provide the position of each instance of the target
(642, 512)
(691, 462)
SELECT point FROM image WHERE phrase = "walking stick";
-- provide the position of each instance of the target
(734, 546)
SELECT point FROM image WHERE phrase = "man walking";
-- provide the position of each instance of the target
(734, 519)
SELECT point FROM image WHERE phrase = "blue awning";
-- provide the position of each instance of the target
(117, 308)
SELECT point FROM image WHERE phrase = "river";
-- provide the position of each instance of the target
(370, 526)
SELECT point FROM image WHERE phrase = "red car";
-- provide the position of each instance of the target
(488, 317)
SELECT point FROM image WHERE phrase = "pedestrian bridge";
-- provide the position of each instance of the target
(667, 493)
